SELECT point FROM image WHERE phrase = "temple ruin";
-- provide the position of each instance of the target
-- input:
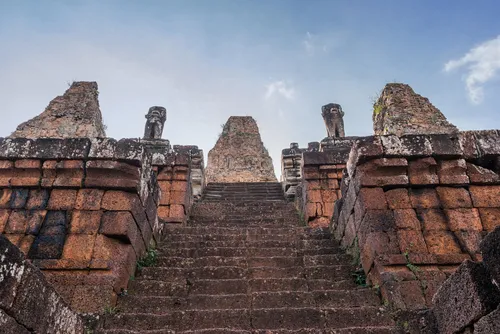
(392, 233)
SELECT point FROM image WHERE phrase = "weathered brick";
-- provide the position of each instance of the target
(177, 197)
(433, 219)
(5, 195)
(165, 174)
(19, 198)
(6, 164)
(92, 298)
(85, 222)
(485, 196)
(55, 223)
(424, 198)
(382, 172)
(48, 173)
(333, 183)
(470, 241)
(372, 198)
(454, 197)
(411, 241)
(112, 175)
(376, 221)
(27, 163)
(25, 177)
(310, 173)
(120, 201)
(69, 174)
(79, 247)
(423, 171)
(165, 187)
(179, 185)
(38, 199)
(177, 211)
(453, 172)
(47, 246)
(62, 199)
(398, 198)
(4, 217)
(481, 175)
(163, 212)
(119, 224)
(490, 218)
(463, 219)
(314, 195)
(441, 242)
(18, 222)
(377, 243)
(25, 243)
(89, 199)
(406, 219)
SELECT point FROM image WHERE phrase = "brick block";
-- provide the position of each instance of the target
(120, 201)
(490, 218)
(4, 217)
(79, 247)
(38, 199)
(25, 243)
(463, 219)
(179, 185)
(69, 174)
(15, 239)
(28, 163)
(470, 240)
(406, 295)
(6, 164)
(433, 219)
(411, 241)
(18, 198)
(310, 173)
(177, 211)
(382, 172)
(398, 198)
(119, 224)
(313, 195)
(55, 223)
(47, 246)
(319, 222)
(5, 195)
(490, 248)
(48, 173)
(465, 297)
(112, 175)
(62, 199)
(165, 187)
(424, 198)
(165, 174)
(85, 222)
(406, 219)
(377, 243)
(485, 196)
(163, 212)
(89, 199)
(372, 198)
(177, 197)
(17, 223)
(453, 172)
(28, 177)
(481, 175)
(376, 221)
(423, 171)
(441, 242)
(333, 184)
(454, 197)
(311, 211)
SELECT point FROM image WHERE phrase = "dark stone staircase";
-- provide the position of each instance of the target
(243, 264)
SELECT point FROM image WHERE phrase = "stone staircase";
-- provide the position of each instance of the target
(243, 264)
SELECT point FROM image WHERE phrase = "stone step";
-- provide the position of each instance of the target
(207, 261)
(350, 330)
(181, 320)
(143, 287)
(169, 274)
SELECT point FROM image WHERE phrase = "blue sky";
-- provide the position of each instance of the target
(278, 61)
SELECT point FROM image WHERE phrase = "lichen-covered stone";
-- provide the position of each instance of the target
(239, 155)
(74, 114)
(399, 110)
(464, 297)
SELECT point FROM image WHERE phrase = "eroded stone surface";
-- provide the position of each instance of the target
(239, 155)
(74, 114)
(399, 110)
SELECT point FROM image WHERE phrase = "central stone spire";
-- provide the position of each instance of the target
(239, 154)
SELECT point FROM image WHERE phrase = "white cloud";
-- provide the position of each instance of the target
(482, 65)
(280, 87)
(308, 44)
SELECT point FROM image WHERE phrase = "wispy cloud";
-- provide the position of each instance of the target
(308, 44)
(482, 64)
(280, 87)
